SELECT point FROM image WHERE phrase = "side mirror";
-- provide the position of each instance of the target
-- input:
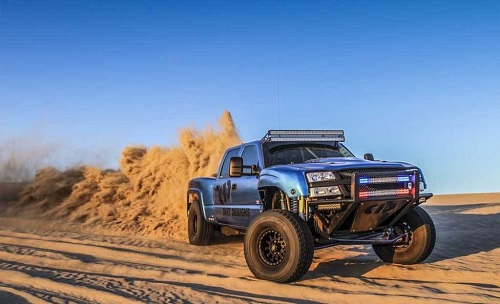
(236, 167)
(368, 156)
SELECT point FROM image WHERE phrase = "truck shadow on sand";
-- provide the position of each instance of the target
(459, 233)
(220, 239)
(9, 297)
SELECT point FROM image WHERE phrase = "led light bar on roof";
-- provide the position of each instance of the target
(304, 135)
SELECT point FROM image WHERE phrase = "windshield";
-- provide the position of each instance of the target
(296, 153)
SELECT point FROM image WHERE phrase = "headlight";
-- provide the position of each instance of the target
(320, 176)
(325, 191)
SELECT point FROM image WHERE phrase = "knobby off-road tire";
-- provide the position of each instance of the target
(422, 237)
(199, 231)
(279, 246)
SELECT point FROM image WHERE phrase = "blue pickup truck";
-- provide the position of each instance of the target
(296, 191)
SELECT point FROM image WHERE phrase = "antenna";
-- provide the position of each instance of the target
(279, 115)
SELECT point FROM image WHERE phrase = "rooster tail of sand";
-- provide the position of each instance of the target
(146, 196)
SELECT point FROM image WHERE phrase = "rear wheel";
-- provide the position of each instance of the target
(199, 231)
(279, 246)
(418, 243)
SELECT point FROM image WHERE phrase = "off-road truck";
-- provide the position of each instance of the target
(296, 191)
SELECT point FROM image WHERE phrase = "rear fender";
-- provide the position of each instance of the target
(195, 196)
(200, 191)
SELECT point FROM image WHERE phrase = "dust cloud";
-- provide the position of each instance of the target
(21, 157)
(146, 196)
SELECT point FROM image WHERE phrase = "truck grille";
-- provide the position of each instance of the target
(369, 170)
(382, 183)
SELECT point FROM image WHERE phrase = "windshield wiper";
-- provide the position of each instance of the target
(309, 150)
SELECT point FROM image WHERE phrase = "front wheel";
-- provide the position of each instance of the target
(199, 231)
(279, 246)
(418, 243)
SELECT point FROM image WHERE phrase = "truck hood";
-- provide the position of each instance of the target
(343, 163)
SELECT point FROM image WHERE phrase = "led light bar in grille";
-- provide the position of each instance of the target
(303, 135)
(384, 180)
(380, 193)
(399, 184)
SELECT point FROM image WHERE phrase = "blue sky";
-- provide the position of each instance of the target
(411, 81)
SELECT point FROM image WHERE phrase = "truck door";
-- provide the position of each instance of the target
(245, 198)
(222, 189)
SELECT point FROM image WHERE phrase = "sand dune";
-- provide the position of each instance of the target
(54, 261)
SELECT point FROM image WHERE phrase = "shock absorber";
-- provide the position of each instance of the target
(294, 205)
(283, 201)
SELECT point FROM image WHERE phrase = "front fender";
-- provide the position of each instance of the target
(292, 183)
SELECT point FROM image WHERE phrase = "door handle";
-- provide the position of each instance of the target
(233, 187)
